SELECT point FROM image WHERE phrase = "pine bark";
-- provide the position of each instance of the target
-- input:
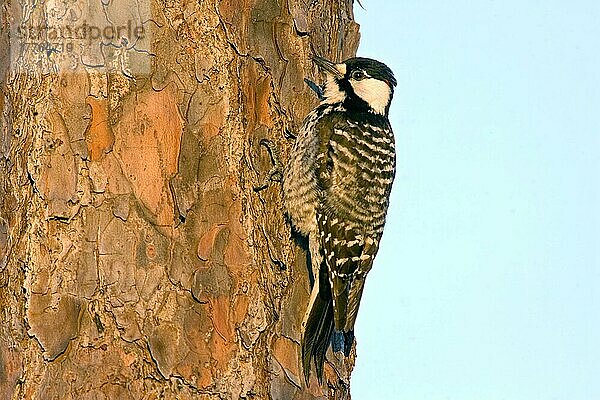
(136, 260)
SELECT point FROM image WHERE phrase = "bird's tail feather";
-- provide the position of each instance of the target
(348, 341)
(318, 329)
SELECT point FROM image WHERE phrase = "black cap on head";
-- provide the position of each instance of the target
(374, 68)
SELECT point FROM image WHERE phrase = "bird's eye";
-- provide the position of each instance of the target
(358, 75)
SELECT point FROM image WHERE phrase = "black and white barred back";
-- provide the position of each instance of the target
(336, 192)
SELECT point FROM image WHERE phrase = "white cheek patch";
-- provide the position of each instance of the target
(375, 92)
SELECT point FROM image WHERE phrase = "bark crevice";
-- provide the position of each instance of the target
(136, 258)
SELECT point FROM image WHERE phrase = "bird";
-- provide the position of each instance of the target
(336, 188)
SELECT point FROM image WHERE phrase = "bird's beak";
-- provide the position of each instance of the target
(337, 70)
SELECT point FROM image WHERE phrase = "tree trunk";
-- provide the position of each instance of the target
(136, 260)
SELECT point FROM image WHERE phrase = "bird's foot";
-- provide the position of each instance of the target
(275, 174)
(288, 134)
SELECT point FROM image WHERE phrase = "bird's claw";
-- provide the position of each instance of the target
(275, 174)
(290, 135)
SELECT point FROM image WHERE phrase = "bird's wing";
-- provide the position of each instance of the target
(342, 247)
(348, 250)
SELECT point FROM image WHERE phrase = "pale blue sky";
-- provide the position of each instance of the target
(487, 285)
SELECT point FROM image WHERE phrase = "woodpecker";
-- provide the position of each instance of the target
(336, 189)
